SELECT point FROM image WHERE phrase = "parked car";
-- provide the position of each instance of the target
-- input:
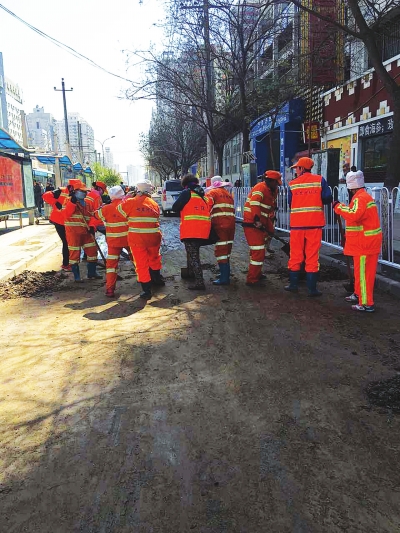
(171, 190)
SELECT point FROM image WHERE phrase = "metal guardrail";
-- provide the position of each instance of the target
(388, 203)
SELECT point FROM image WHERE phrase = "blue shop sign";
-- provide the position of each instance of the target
(377, 127)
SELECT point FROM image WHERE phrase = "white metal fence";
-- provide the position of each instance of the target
(388, 203)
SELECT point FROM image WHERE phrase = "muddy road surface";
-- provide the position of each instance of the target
(229, 411)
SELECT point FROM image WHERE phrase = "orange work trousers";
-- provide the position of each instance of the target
(256, 240)
(112, 261)
(223, 247)
(145, 258)
(76, 241)
(304, 246)
(364, 277)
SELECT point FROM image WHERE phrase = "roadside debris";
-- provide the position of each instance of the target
(29, 284)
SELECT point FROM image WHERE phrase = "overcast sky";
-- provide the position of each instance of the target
(98, 29)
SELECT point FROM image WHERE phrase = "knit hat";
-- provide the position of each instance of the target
(116, 192)
(355, 180)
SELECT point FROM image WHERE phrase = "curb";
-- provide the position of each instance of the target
(381, 282)
(25, 263)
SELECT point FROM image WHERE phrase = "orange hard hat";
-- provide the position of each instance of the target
(274, 175)
(305, 162)
(77, 185)
(100, 184)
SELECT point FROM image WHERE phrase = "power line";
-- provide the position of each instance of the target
(63, 46)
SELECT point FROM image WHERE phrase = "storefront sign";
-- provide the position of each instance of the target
(377, 127)
(11, 192)
(311, 132)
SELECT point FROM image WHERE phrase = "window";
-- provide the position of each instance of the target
(375, 157)
(37, 125)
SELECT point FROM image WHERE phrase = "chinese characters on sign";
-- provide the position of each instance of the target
(377, 127)
(311, 132)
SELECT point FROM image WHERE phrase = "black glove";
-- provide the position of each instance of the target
(92, 231)
(56, 193)
(58, 205)
(274, 219)
(335, 203)
(74, 199)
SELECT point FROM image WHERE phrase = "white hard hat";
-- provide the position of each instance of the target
(144, 186)
(355, 180)
(116, 192)
(215, 178)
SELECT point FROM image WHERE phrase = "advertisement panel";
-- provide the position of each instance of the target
(28, 184)
(11, 191)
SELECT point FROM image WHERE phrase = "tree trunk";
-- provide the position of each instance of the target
(246, 138)
(220, 159)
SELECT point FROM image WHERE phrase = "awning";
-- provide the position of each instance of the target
(88, 170)
(42, 173)
(51, 159)
(77, 167)
(8, 143)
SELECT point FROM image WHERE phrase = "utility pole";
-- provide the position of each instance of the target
(64, 90)
(80, 145)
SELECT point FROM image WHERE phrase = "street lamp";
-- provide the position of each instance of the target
(102, 145)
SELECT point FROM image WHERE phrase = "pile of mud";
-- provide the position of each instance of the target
(326, 273)
(29, 284)
(385, 393)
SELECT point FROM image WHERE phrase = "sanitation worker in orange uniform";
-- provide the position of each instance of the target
(78, 212)
(307, 195)
(144, 236)
(57, 199)
(222, 212)
(258, 222)
(116, 235)
(363, 240)
(195, 225)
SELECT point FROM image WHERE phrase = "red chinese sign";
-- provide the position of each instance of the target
(311, 132)
(11, 192)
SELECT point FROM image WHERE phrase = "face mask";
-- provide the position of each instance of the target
(81, 195)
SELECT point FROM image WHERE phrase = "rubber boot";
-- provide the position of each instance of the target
(76, 273)
(224, 278)
(91, 271)
(293, 281)
(146, 294)
(156, 278)
(110, 292)
(311, 279)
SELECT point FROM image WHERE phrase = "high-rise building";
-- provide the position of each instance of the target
(108, 157)
(135, 173)
(14, 108)
(41, 130)
(3, 103)
(81, 138)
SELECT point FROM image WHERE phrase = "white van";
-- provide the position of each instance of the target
(171, 190)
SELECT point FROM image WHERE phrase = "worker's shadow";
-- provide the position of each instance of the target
(121, 309)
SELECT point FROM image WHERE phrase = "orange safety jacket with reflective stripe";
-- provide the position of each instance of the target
(195, 218)
(222, 208)
(260, 203)
(115, 223)
(75, 214)
(363, 227)
(307, 210)
(56, 215)
(94, 197)
(143, 214)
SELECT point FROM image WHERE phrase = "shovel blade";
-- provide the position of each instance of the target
(286, 249)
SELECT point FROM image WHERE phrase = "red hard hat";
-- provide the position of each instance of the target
(305, 162)
(77, 185)
(274, 175)
(101, 184)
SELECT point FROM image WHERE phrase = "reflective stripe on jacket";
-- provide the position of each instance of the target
(363, 228)
(56, 215)
(75, 215)
(142, 214)
(260, 203)
(115, 223)
(307, 210)
(222, 208)
(195, 218)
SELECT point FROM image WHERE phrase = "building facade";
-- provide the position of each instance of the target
(14, 107)
(81, 138)
(3, 102)
(41, 130)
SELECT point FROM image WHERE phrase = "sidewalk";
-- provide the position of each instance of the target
(21, 247)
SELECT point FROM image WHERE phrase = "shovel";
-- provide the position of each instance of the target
(286, 246)
(349, 287)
